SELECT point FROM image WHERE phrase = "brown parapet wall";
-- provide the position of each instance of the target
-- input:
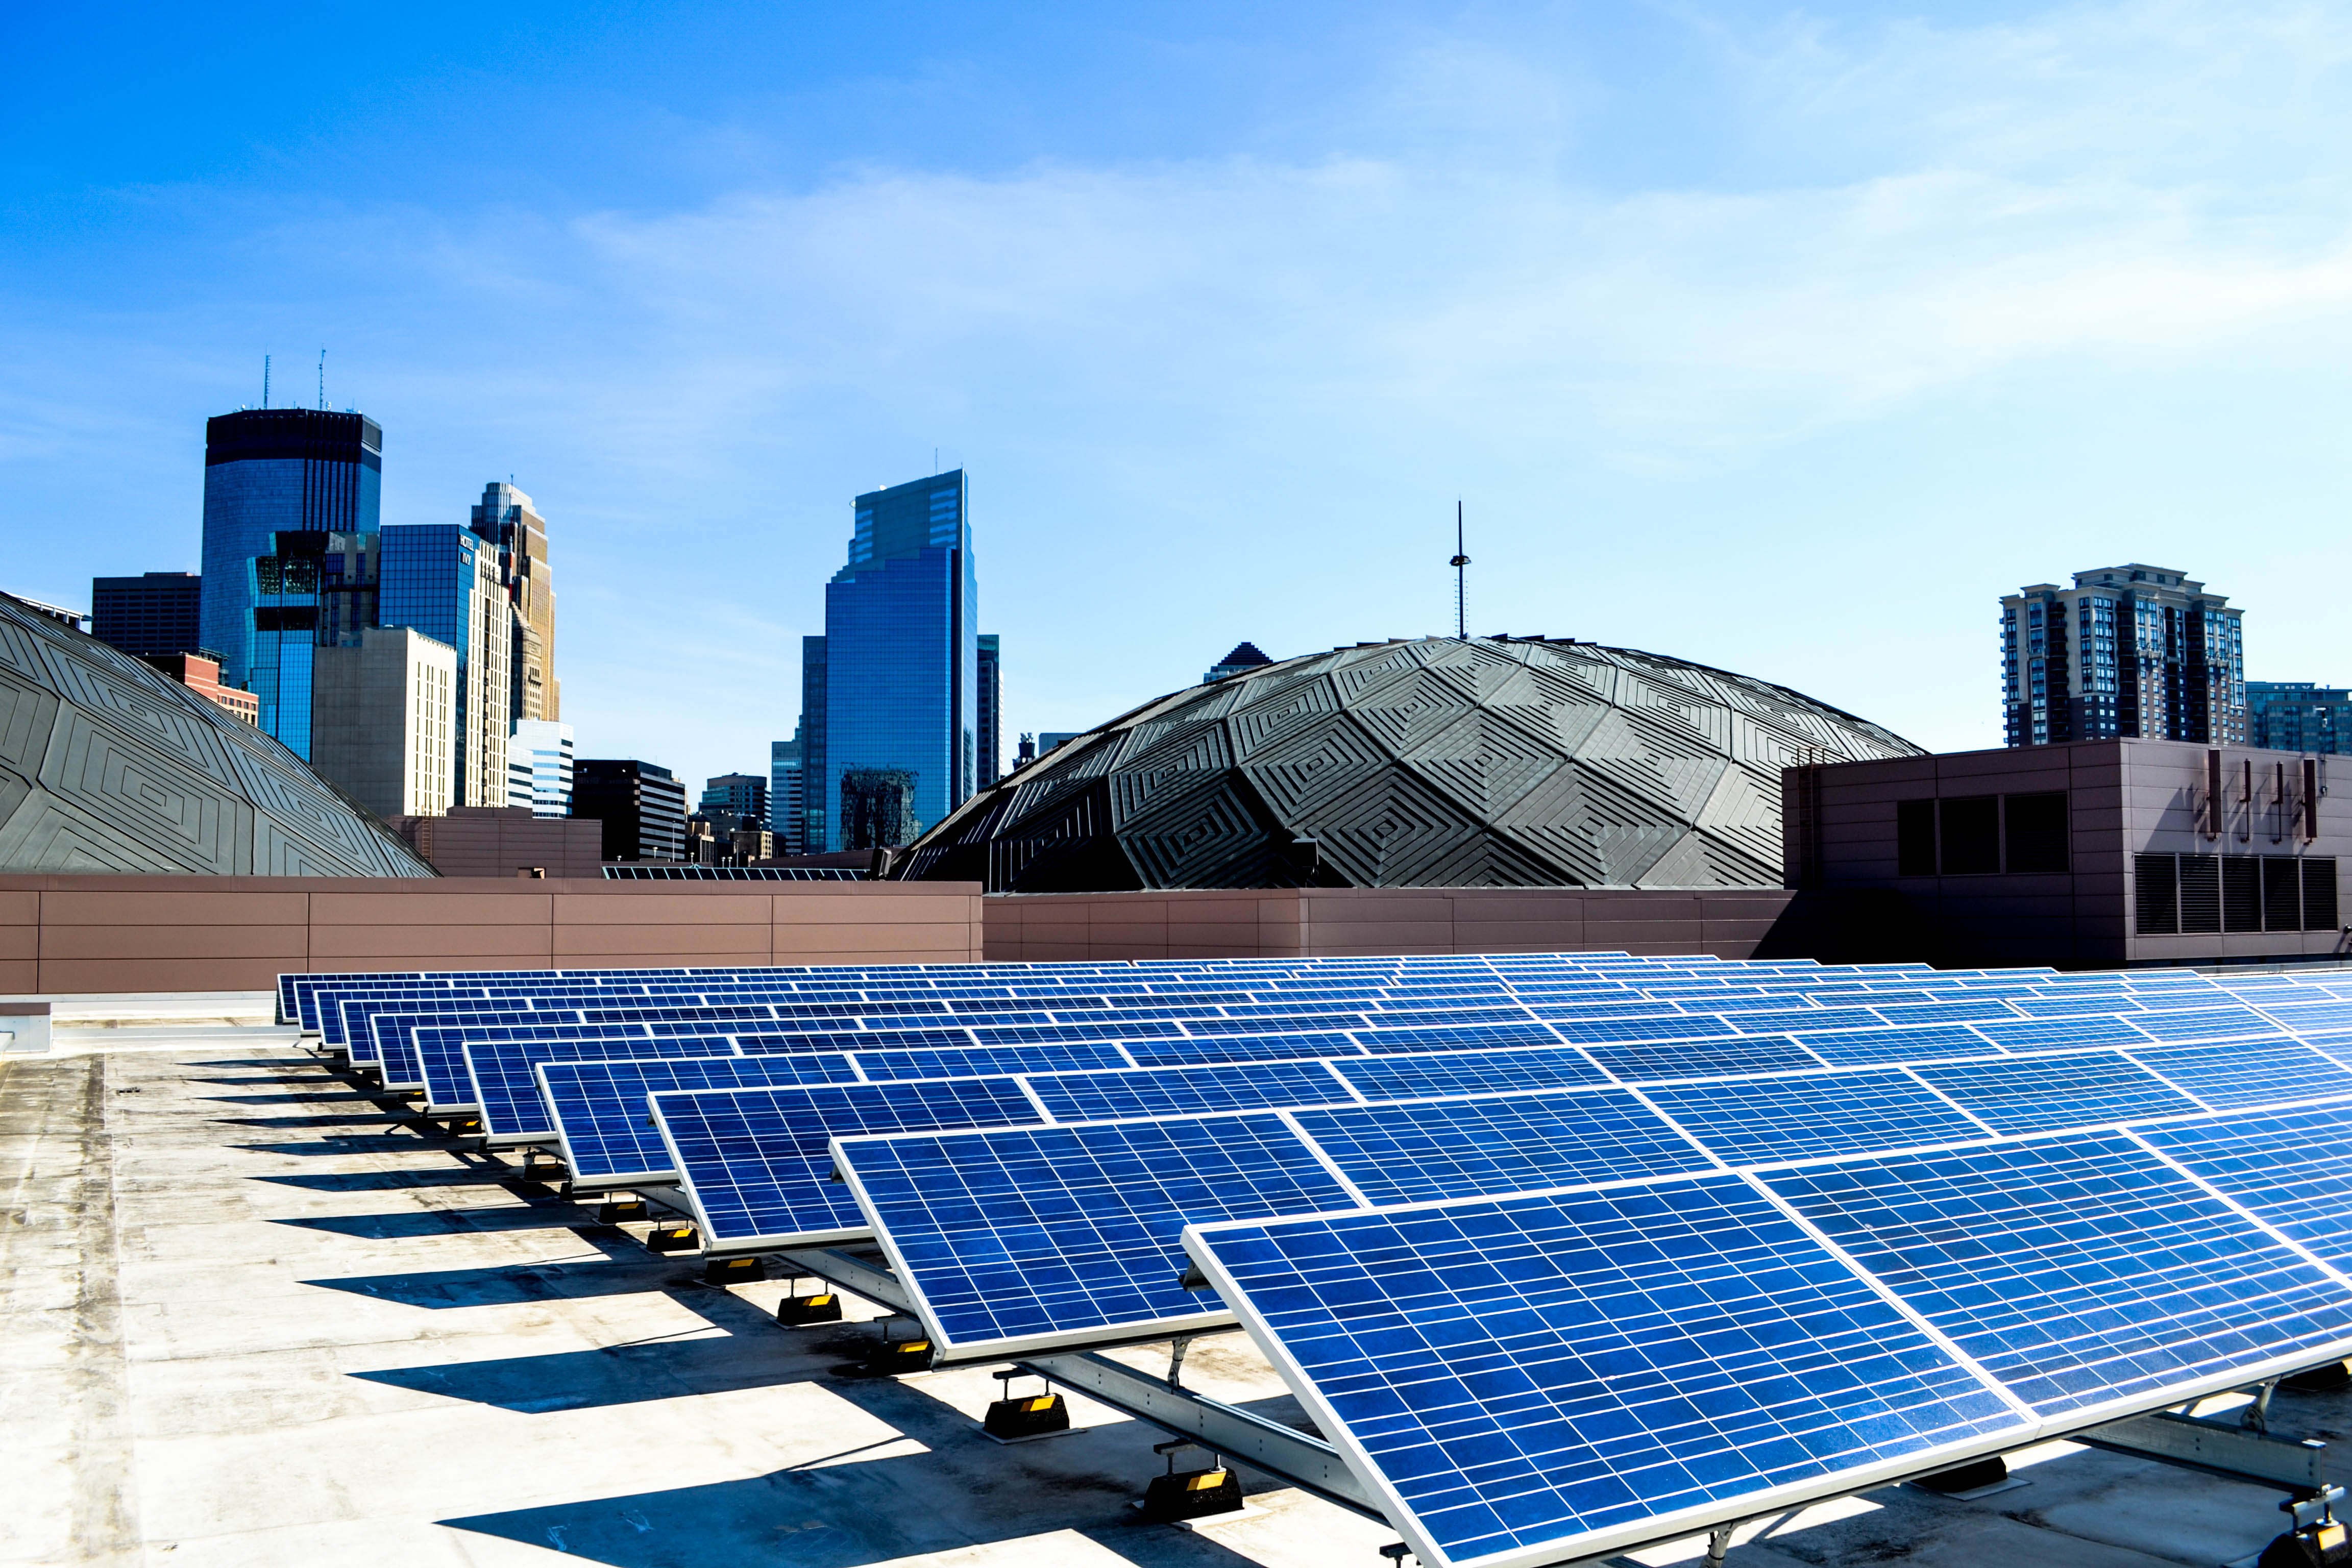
(63, 934)
(1339, 922)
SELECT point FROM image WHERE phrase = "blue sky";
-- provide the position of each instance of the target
(1784, 340)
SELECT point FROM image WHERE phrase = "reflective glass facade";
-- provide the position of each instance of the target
(2299, 716)
(443, 580)
(902, 655)
(785, 802)
(539, 767)
(270, 472)
(157, 612)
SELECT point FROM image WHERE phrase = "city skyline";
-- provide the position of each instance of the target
(1246, 308)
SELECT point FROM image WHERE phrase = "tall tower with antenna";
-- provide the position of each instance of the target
(1461, 600)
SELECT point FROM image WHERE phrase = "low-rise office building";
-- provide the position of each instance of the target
(2091, 854)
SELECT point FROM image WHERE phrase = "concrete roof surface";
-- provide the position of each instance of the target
(254, 1317)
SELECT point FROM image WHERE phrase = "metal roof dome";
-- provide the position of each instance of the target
(108, 765)
(1441, 761)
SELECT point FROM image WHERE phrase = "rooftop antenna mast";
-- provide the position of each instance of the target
(1461, 601)
(265, 381)
(322, 380)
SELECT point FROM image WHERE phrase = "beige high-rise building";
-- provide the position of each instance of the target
(385, 720)
(504, 518)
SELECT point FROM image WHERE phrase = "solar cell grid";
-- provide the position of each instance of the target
(1956, 1010)
(1058, 1034)
(1185, 1091)
(2291, 1169)
(2059, 1034)
(2077, 1272)
(1469, 1072)
(2042, 1094)
(1755, 1122)
(505, 1088)
(1702, 1059)
(600, 1115)
(2205, 1023)
(1241, 1049)
(1458, 1036)
(440, 1051)
(1533, 1374)
(1863, 1047)
(981, 1061)
(1065, 1235)
(1680, 1026)
(1780, 1022)
(1493, 1145)
(758, 1163)
(1275, 1023)
(2230, 1077)
(763, 1042)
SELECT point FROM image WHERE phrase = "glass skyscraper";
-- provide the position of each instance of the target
(539, 767)
(292, 500)
(445, 581)
(900, 657)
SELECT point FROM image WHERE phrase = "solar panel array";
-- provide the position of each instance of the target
(1565, 1252)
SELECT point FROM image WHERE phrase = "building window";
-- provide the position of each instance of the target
(2033, 829)
(1915, 837)
(1970, 831)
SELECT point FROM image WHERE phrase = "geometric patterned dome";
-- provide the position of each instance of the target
(107, 765)
(1440, 762)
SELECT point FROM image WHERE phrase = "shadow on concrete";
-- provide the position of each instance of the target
(842, 1512)
(390, 1181)
(433, 1222)
(301, 1095)
(292, 1124)
(623, 1269)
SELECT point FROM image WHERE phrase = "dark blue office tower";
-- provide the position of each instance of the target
(291, 505)
(897, 747)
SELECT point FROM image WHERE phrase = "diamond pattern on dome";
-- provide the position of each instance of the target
(108, 765)
(1440, 762)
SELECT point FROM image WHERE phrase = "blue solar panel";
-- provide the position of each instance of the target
(2292, 1169)
(2077, 1272)
(1868, 1047)
(757, 1163)
(2059, 1033)
(1762, 1121)
(505, 1089)
(1055, 1033)
(1275, 1022)
(1806, 1019)
(2265, 1072)
(1414, 1153)
(2042, 1094)
(2205, 1023)
(1470, 1072)
(2070, 1006)
(1459, 1037)
(1679, 1027)
(1956, 1010)
(1067, 1235)
(1703, 1058)
(1241, 1049)
(1395, 1017)
(601, 1116)
(1185, 1091)
(1542, 1378)
(982, 1061)
(767, 1040)
(449, 1086)
(1587, 1012)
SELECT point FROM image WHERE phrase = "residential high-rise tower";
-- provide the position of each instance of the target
(2135, 650)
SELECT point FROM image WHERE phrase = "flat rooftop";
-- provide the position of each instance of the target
(257, 1316)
